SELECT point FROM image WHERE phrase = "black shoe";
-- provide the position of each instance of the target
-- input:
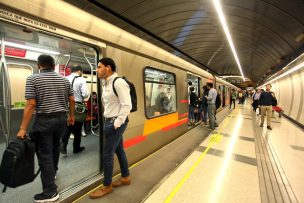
(78, 150)
(46, 198)
(63, 149)
(261, 125)
(269, 127)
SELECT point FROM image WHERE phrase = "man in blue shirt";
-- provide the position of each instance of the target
(211, 106)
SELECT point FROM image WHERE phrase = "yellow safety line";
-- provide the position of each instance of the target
(134, 166)
(180, 184)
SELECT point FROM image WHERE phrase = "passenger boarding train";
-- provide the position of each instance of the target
(72, 36)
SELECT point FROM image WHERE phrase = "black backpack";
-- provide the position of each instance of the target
(218, 101)
(18, 164)
(132, 93)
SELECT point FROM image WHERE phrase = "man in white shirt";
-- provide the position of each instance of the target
(80, 93)
(116, 111)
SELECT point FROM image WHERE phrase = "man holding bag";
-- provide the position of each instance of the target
(79, 87)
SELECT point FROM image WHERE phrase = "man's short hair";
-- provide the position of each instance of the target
(191, 88)
(108, 62)
(210, 84)
(189, 83)
(46, 61)
(269, 84)
(76, 68)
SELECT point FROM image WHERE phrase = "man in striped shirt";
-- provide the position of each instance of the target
(48, 94)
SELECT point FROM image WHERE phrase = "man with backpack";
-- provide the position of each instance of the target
(117, 107)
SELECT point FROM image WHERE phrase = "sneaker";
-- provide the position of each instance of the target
(72, 136)
(63, 149)
(269, 127)
(46, 198)
(84, 134)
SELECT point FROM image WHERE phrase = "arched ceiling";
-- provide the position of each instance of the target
(265, 32)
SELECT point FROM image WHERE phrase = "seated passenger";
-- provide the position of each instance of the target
(93, 109)
(150, 110)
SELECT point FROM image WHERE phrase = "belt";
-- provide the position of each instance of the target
(111, 119)
(49, 115)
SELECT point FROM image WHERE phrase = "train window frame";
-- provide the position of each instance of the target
(155, 82)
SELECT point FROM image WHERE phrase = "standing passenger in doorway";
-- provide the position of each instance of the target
(116, 111)
(265, 101)
(79, 87)
(211, 106)
(48, 94)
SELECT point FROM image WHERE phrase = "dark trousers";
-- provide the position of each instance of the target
(114, 143)
(76, 130)
(232, 101)
(47, 132)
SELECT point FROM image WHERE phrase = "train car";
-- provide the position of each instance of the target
(72, 36)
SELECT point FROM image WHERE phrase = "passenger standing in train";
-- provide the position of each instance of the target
(204, 105)
(189, 106)
(233, 98)
(211, 106)
(80, 93)
(93, 109)
(266, 101)
(48, 94)
(194, 103)
(255, 100)
(116, 111)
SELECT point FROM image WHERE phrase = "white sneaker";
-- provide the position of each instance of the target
(72, 136)
(83, 133)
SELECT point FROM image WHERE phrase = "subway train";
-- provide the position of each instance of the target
(72, 36)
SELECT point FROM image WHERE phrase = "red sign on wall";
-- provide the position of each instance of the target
(12, 51)
(67, 70)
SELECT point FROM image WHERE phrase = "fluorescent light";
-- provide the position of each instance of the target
(297, 67)
(21, 46)
(221, 16)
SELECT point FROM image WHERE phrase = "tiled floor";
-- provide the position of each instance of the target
(226, 170)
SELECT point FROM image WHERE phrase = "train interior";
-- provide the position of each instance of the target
(22, 47)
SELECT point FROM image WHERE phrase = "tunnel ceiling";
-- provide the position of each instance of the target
(265, 32)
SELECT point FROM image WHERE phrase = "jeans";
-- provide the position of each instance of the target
(191, 111)
(114, 143)
(46, 133)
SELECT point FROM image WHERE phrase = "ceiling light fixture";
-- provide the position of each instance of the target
(221, 16)
(21, 46)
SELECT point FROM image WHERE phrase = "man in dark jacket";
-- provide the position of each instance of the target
(265, 102)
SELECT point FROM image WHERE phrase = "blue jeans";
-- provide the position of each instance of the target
(114, 143)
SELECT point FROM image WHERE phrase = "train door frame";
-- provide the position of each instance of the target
(99, 52)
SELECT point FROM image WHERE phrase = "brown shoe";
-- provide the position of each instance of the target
(101, 192)
(122, 181)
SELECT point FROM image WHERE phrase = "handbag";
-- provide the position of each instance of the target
(80, 112)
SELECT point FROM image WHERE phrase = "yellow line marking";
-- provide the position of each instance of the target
(215, 138)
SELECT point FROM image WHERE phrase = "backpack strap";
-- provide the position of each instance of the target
(114, 90)
(74, 79)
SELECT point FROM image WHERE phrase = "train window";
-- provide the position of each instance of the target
(160, 92)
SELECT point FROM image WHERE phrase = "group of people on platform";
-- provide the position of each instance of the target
(204, 107)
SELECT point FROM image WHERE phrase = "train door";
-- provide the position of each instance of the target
(195, 83)
(22, 47)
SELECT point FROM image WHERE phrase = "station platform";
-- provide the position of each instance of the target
(238, 162)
